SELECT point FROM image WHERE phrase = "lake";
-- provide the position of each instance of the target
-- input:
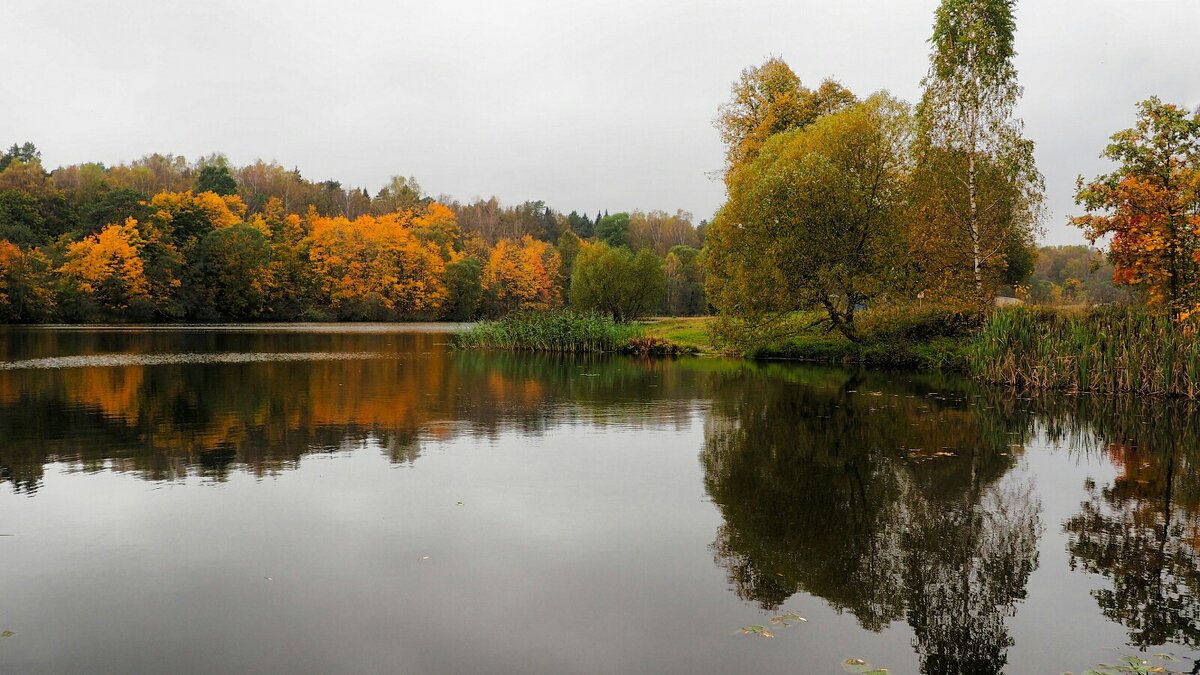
(329, 498)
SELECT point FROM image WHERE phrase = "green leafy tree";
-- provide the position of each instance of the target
(216, 178)
(812, 221)
(21, 219)
(568, 249)
(26, 152)
(464, 282)
(232, 266)
(580, 224)
(114, 206)
(614, 230)
(979, 187)
(613, 281)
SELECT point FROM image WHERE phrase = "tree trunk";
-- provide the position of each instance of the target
(973, 225)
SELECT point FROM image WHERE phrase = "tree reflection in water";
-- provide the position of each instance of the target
(1142, 531)
(888, 499)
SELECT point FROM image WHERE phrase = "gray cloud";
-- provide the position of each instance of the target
(586, 104)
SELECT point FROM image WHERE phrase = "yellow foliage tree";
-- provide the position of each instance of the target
(186, 215)
(24, 293)
(374, 267)
(108, 266)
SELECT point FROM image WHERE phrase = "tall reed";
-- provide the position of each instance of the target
(1108, 350)
(559, 332)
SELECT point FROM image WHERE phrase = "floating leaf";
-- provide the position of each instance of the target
(862, 667)
(788, 617)
(756, 629)
(7, 634)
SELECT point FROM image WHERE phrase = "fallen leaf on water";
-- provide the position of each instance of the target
(785, 618)
(7, 634)
(862, 667)
(756, 629)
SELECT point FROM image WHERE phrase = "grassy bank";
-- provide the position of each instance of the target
(1117, 350)
(564, 332)
(1105, 351)
(689, 332)
(929, 338)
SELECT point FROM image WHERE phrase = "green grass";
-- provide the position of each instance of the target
(689, 332)
(928, 338)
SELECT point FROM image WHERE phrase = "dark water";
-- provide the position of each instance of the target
(330, 499)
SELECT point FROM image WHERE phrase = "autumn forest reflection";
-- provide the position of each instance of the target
(893, 498)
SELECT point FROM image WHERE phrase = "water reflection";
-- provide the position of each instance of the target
(165, 405)
(893, 498)
(888, 499)
(1141, 532)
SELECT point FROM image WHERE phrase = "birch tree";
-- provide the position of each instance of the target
(979, 186)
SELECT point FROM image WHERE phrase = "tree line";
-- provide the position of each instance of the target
(164, 239)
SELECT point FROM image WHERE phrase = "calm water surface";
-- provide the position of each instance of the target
(321, 499)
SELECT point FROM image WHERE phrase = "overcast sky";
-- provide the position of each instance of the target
(586, 105)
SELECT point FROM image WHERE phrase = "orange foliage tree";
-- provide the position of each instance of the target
(1150, 206)
(521, 275)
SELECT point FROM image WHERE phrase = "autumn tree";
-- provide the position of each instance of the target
(293, 286)
(767, 100)
(437, 224)
(1149, 206)
(108, 268)
(376, 267)
(977, 184)
(613, 281)
(812, 221)
(685, 281)
(25, 292)
(400, 194)
(187, 216)
(522, 275)
(660, 231)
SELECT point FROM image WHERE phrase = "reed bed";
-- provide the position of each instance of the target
(1111, 350)
(563, 332)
